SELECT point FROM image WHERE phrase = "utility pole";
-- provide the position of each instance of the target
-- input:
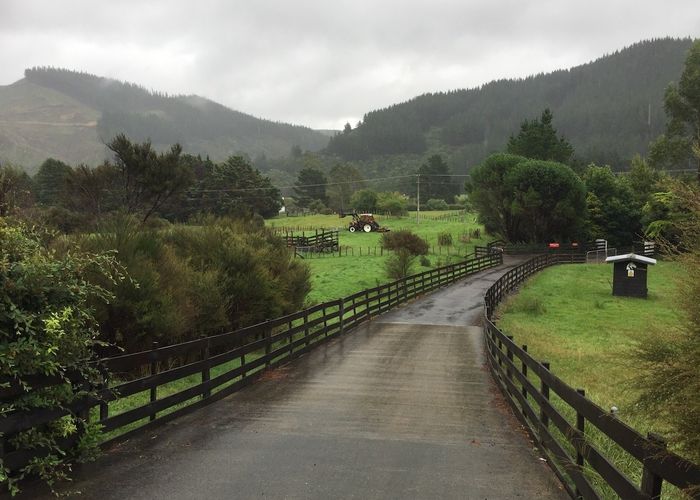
(418, 202)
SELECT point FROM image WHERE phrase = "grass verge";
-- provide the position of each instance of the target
(568, 316)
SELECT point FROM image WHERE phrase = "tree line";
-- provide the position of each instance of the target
(536, 191)
(609, 109)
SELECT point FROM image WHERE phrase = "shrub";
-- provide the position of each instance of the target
(444, 239)
(424, 261)
(190, 281)
(392, 203)
(47, 328)
(364, 200)
(406, 246)
(317, 206)
(399, 264)
(668, 360)
(436, 204)
(404, 240)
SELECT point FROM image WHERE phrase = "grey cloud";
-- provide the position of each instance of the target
(319, 63)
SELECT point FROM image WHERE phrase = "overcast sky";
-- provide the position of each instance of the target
(323, 63)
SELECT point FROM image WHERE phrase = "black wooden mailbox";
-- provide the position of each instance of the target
(630, 274)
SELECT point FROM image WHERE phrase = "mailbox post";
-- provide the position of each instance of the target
(630, 274)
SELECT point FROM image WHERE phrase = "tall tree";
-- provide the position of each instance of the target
(436, 181)
(548, 201)
(91, 190)
(538, 140)
(235, 187)
(489, 195)
(15, 190)
(681, 143)
(343, 181)
(528, 200)
(50, 182)
(614, 212)
(148, 179)
(310, 185)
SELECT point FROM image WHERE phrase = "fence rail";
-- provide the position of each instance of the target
(528, 385)
(216, 366)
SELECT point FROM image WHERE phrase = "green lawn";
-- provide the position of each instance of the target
(334, 277)
(568, 316)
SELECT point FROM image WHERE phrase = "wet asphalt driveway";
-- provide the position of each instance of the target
(402, 407)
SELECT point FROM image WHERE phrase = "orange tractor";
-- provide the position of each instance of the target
(363, 222)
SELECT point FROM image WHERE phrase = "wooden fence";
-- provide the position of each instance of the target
(575, 458)
(320, 241)
(451, 251)
(216, 366)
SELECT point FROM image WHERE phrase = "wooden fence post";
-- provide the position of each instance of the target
(544, 389)
(581, 427)
(267, 334)
(154, 370)
(341, 313)
(325, 320)
(523, 370)
(306, 330)
(509, 355)
(206, 373)
(651, 483)
(367, 303)
(500, 348)
(104, 405)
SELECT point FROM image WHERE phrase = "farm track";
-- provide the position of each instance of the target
(402, 407)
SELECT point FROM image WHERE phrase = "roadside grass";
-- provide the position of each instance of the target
(568, 316)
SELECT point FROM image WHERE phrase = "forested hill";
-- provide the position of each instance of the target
(35, 121)
(609, 109)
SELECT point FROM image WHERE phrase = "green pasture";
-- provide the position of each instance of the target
(361, 264)
(568, 316)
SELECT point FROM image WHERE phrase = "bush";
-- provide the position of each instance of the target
(436, 204)
(392, 203)
(424, 261)
(317, 206)
(47, 328)
(399, 264)
(364, 200)
(444, 239)
(406, 246)
(191, 281)
(404, 240)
